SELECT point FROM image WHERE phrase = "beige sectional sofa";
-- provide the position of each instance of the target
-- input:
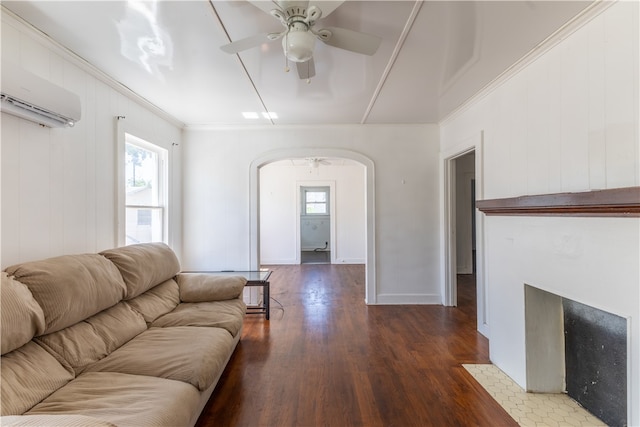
(116, 338)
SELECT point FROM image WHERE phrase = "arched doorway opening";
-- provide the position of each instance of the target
(301, 153)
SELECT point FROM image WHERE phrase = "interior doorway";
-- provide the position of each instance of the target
(465, 213)
(256, 214)
(463, 227)
(315, 224)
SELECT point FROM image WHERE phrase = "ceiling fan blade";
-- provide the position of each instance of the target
(246, 43)
(326, 6)
(307, 69)
(354, 41)
(265, 5)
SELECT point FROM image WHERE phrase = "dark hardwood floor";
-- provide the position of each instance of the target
(327, 359)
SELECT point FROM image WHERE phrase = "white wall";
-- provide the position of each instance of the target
(315, 233)
(58, 185)
(279, 197)
(217, 227)
(566, 122)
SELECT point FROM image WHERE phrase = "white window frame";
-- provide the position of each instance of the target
(323, 189)
(127, 135)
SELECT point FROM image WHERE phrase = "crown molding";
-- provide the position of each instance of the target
(577, 22)
(11, 18)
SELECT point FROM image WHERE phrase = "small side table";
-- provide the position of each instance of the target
(259, 278)
(254, 278)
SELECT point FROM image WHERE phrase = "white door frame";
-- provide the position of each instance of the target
(371, 294)
(448, 227)
(332, 215)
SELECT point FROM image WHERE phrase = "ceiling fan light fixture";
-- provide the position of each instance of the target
(298, 45)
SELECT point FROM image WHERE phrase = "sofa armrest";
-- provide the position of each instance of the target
(201, 287)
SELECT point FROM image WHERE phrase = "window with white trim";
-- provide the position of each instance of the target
(315, 200)
(146, 172)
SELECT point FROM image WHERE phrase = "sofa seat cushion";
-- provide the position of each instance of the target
(124, 400)
(193, 355)
(144, 266)
(29, 374)
(157, 301)
(88, 341)
(20, 315)
(221, 314)
(200, 287)
(71, 288)
(53, 421)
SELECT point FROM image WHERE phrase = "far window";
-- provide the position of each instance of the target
(145, 189)
(315, 200)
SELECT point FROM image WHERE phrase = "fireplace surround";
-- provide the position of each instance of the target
(580, 246)
(578, 349)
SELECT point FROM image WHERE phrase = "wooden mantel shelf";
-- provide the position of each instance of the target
(616, 202)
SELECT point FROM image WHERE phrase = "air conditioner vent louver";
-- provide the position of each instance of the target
(30, 97)
(16, 105)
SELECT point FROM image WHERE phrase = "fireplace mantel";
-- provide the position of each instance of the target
(616, 202)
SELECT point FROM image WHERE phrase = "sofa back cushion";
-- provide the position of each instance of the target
(21, 318)
(71, 288)
(157, 301)
(88, 341)
(144, 266)
(29, 375)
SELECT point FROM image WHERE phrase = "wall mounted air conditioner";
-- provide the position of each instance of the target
(30, 97)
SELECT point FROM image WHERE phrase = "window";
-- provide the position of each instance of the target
(315, 200)
(145, 171)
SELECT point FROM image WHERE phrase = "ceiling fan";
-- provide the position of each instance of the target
(299, 36)
(316, 162)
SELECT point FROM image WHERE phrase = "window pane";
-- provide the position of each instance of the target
(316, 208)
(144, 216)
(144, 225)
(141, 175)
(316, 196)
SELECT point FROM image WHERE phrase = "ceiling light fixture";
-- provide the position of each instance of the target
(299, 42)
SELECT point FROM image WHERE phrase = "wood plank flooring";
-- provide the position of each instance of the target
(327, 359)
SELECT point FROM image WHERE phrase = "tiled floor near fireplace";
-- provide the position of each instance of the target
(531, 409)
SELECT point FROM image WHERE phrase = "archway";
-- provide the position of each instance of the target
(254, 205)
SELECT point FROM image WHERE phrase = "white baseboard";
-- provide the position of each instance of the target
(290, 261)
(465, 269)
(408, 299)
(287, 261)
(350, 261)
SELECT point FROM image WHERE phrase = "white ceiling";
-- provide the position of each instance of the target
(434, 55)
